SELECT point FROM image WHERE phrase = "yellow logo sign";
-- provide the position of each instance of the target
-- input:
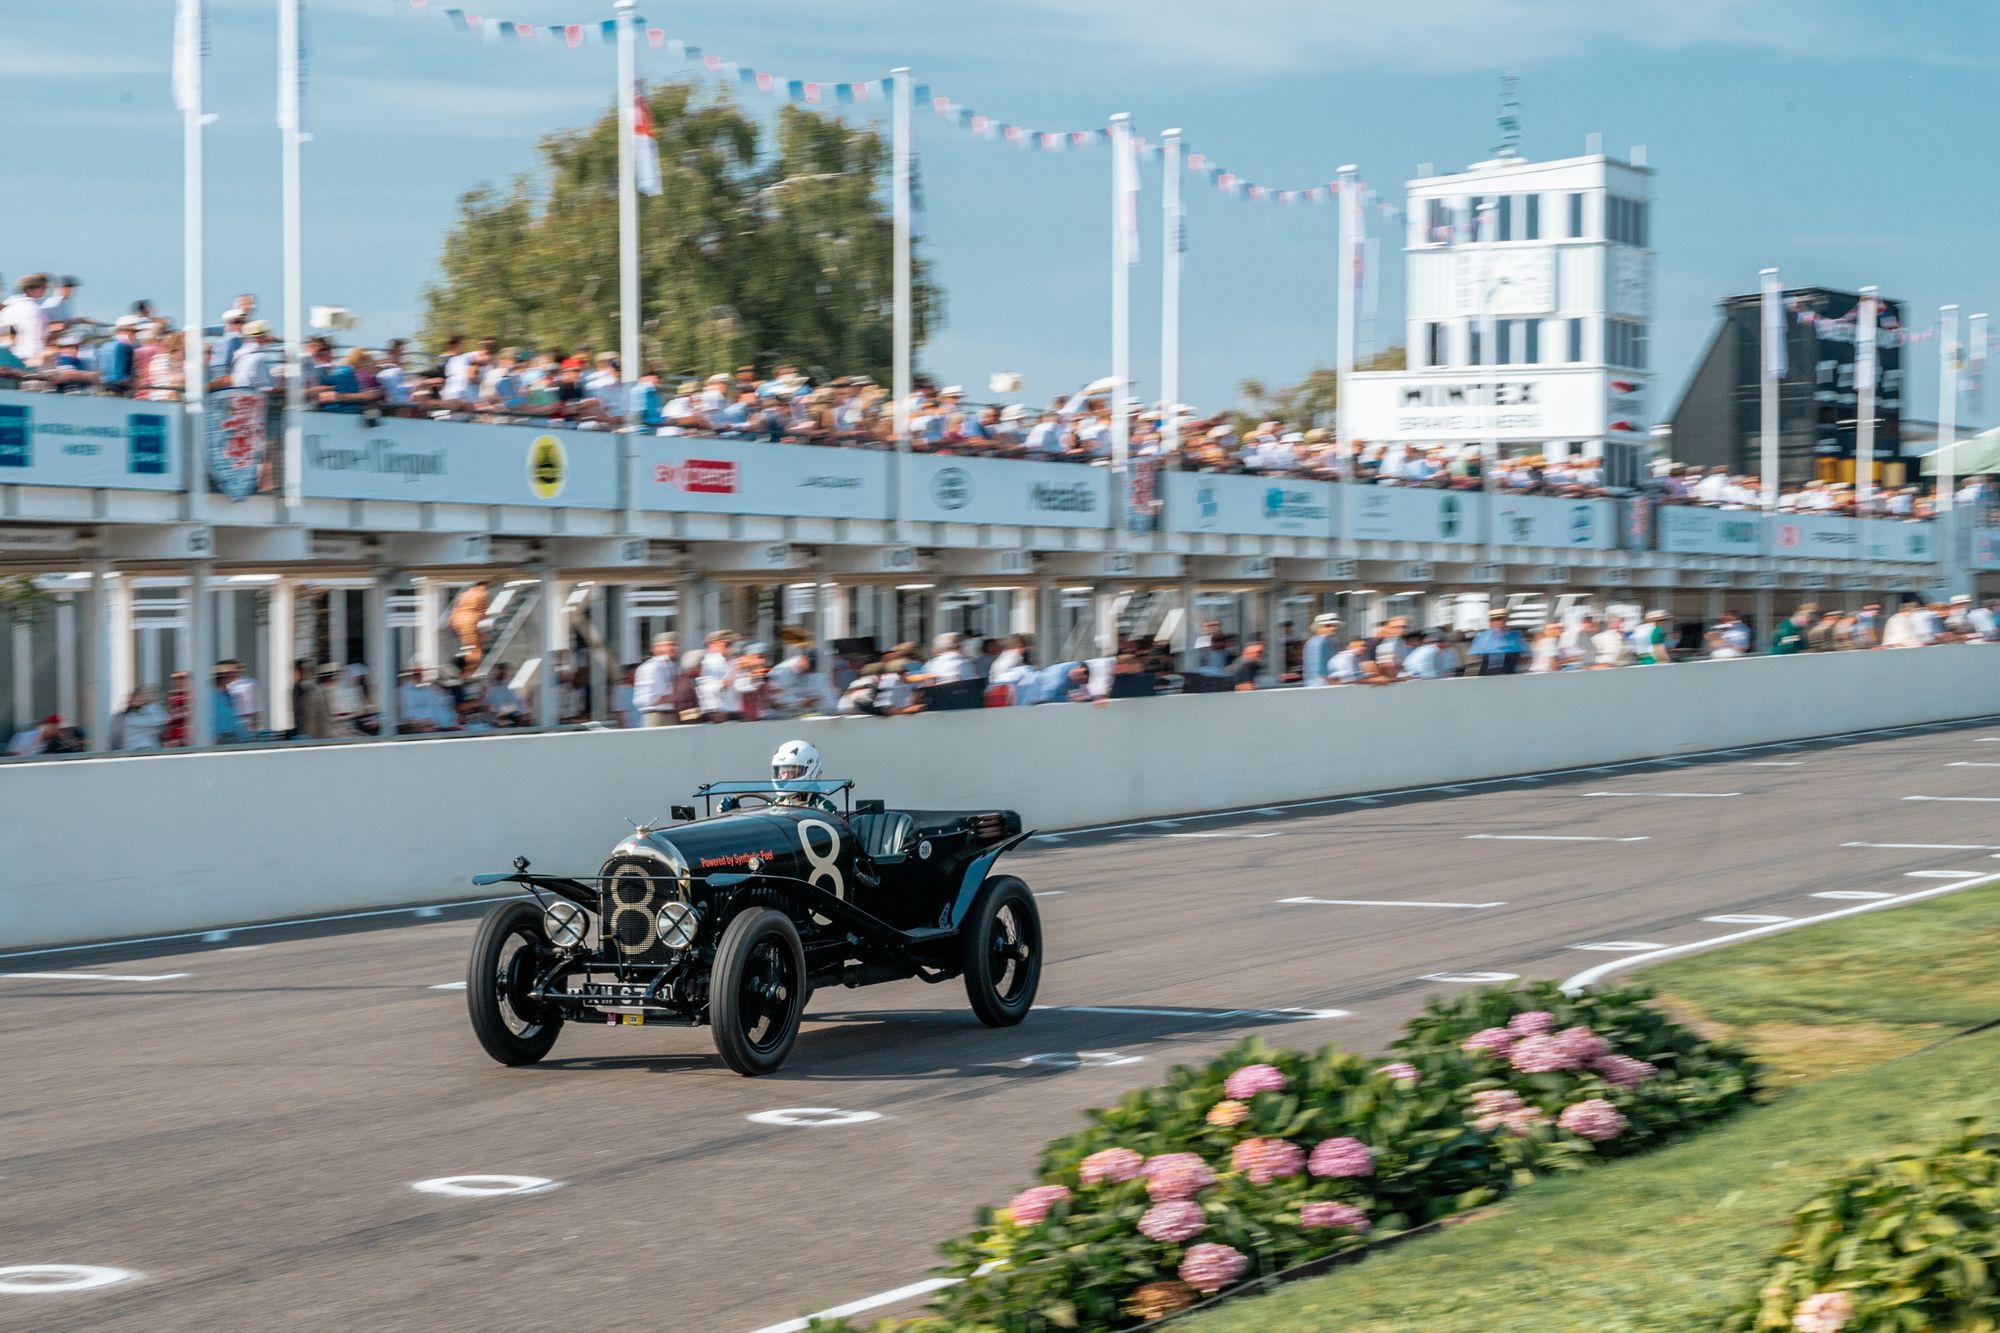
(548, 466)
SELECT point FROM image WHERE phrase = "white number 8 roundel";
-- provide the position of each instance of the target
(824, 866)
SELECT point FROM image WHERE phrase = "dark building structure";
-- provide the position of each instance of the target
(1719, 417)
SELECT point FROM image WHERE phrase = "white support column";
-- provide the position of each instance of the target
(430, 613)
(384, 673)
(1864, 383)
(190, 60)
(118, 621)
(103, 631)
(1122, 198)
(280, 636)
(226, 609)
(1048, 619)
(1274, 636)
(201, 657)
(555, 636)
(1172, 226)
(290, 77)
(66, 665)
(1190, 623)
(336, 625)
(605, 672)
(1773, 366)
(24, 675)
(1948, 354)
(1762, 606)
(903, 327)
(1104, 621)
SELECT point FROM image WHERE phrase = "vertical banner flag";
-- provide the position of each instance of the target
(1975, 368)
(1776, 362)
(1128, 196)
(645, 148)
(292, 82)
(190, 58)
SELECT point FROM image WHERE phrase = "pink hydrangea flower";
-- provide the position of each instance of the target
(1250, 1080)
(1227, 1115)
(1172, 1222)
(1341, 1158)
(1265, 1160)
(1493, 1041)
(1402, 1073)
(1496, 1101)
(1176, 1175)
(1594, 1119)
(1032, 1205)
(1335, 1215)
(1580, 1046)
(1113, 1165)
(1622, 1071)
(1533, 1023)
(1541, 1055)
(1209, 1267)
(1501, 1106)
(1826, 1312)
(1520, 1122)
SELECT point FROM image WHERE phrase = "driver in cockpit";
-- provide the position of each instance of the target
(796, 761)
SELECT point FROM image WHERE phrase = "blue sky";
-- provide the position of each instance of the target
(1843, 140)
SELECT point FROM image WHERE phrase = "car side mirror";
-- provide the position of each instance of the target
(870, 807)
(682, 813)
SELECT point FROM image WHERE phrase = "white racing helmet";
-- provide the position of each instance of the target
(795, 760)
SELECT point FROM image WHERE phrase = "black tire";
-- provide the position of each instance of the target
(1003, 952)
(757, 991)
(506, 954)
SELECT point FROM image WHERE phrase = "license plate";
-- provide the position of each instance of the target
(632, 1020)
(609, 993)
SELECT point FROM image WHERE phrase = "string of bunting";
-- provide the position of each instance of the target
(823, 92)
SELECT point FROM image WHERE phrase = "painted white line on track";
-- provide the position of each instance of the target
(1942, 874)
(1217, 1015)
(1745, 919)
(866, 1303)
(1774, 763)
(1930, 846)
(1363, 800)
(813, 1115)
(52, 1279)
(1165, 823)
(1677, 795)
(214, 937)
(262, 925)
(449, 985)
(1222, 835)
(91, 976)
(1081, 1060)
(1544, 837)
(1989, 800)
(1039, 893)
(1967, 763)
(1383, 902)
(1472, 978)
(1589, 975)
(1858, 894)
(483, 1187)
(1616, 946)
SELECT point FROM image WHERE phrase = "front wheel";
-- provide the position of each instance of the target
(757, 992)
(1003, 952)
(508, 954)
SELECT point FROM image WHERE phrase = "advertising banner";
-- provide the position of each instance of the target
(1249, 506)
(452, 462)
(63, 439)
(234, 440)
(938, 489)
(1541, 520)
(1412, 514)
(689, 474)
(1693, 531)
(1532, 403)
(1821, 536)
(1893, 539)
(1986, 548)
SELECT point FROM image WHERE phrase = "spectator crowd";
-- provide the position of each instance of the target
(46, 342)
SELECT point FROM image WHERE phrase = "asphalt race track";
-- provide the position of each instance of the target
(237, 1127)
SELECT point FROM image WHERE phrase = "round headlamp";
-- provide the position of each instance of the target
(565, 924)
(677, 924)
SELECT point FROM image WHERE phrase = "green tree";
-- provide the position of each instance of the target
(1312, 401)
(747, 256)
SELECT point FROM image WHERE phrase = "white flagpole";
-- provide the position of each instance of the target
(289, 112)
(1947, 405)
(1170, 290)
(1121, 312)
(1773, 316)
(899, 122)
(628, 209)
(1344, 283)
(188, 69)
(1864, 426)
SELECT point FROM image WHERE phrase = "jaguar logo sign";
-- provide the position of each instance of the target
(952, 488)
(1448, 516)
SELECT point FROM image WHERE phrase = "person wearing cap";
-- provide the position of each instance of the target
(222, 354)
(51, 737)
(115, 368)
(1789, 637)
(1649, 640)
(252, 367)
(1498, 648)
(59, 307)
(1320, 650)
(24, 315)
(948, 664)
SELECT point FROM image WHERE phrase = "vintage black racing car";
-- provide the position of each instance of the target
(734, 918)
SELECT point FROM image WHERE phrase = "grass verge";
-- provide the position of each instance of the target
(1853, 1017)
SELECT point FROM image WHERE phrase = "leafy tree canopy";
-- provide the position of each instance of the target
(1313, 400)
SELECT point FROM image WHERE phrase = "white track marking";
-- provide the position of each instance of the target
(1967, 763)
(1222, 835)
(263, 925)
(1745, 919)
(909, 1293)
(92, 976)
(1983, 799)
(1589, 975)
(1678, 795)
(1081, 1060)
(1363, 800)
(1544, 837)
(1039, 893)
(1853, 893)
(1164, 823)
(483, 1187)
(1617, 946)
(1929, 846)
(1472, 978)
(449, 985)
(813, 1115)
(1146, 1011)
(1942, 874)
(1382, 902)
(52, 1279)
(1774, 763)
(215, 937)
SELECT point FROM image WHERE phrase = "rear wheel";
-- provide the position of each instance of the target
(1003, 952)
(508, 954)
(757, 991)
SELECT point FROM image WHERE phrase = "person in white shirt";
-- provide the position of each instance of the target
(1544, 653)
(27, 317)
(605, 385)
(243, 694)
(142, 721)
(797, 687)
(947, 665)
(504, 704)
(653, 686)
(1010, 663)
(1613, 650)
(1576, 650)
(1711, 488)
(715, 686)
(415, 711)
(1346, 668)
(252, 368)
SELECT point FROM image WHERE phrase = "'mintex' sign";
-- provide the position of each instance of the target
(699, 476)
